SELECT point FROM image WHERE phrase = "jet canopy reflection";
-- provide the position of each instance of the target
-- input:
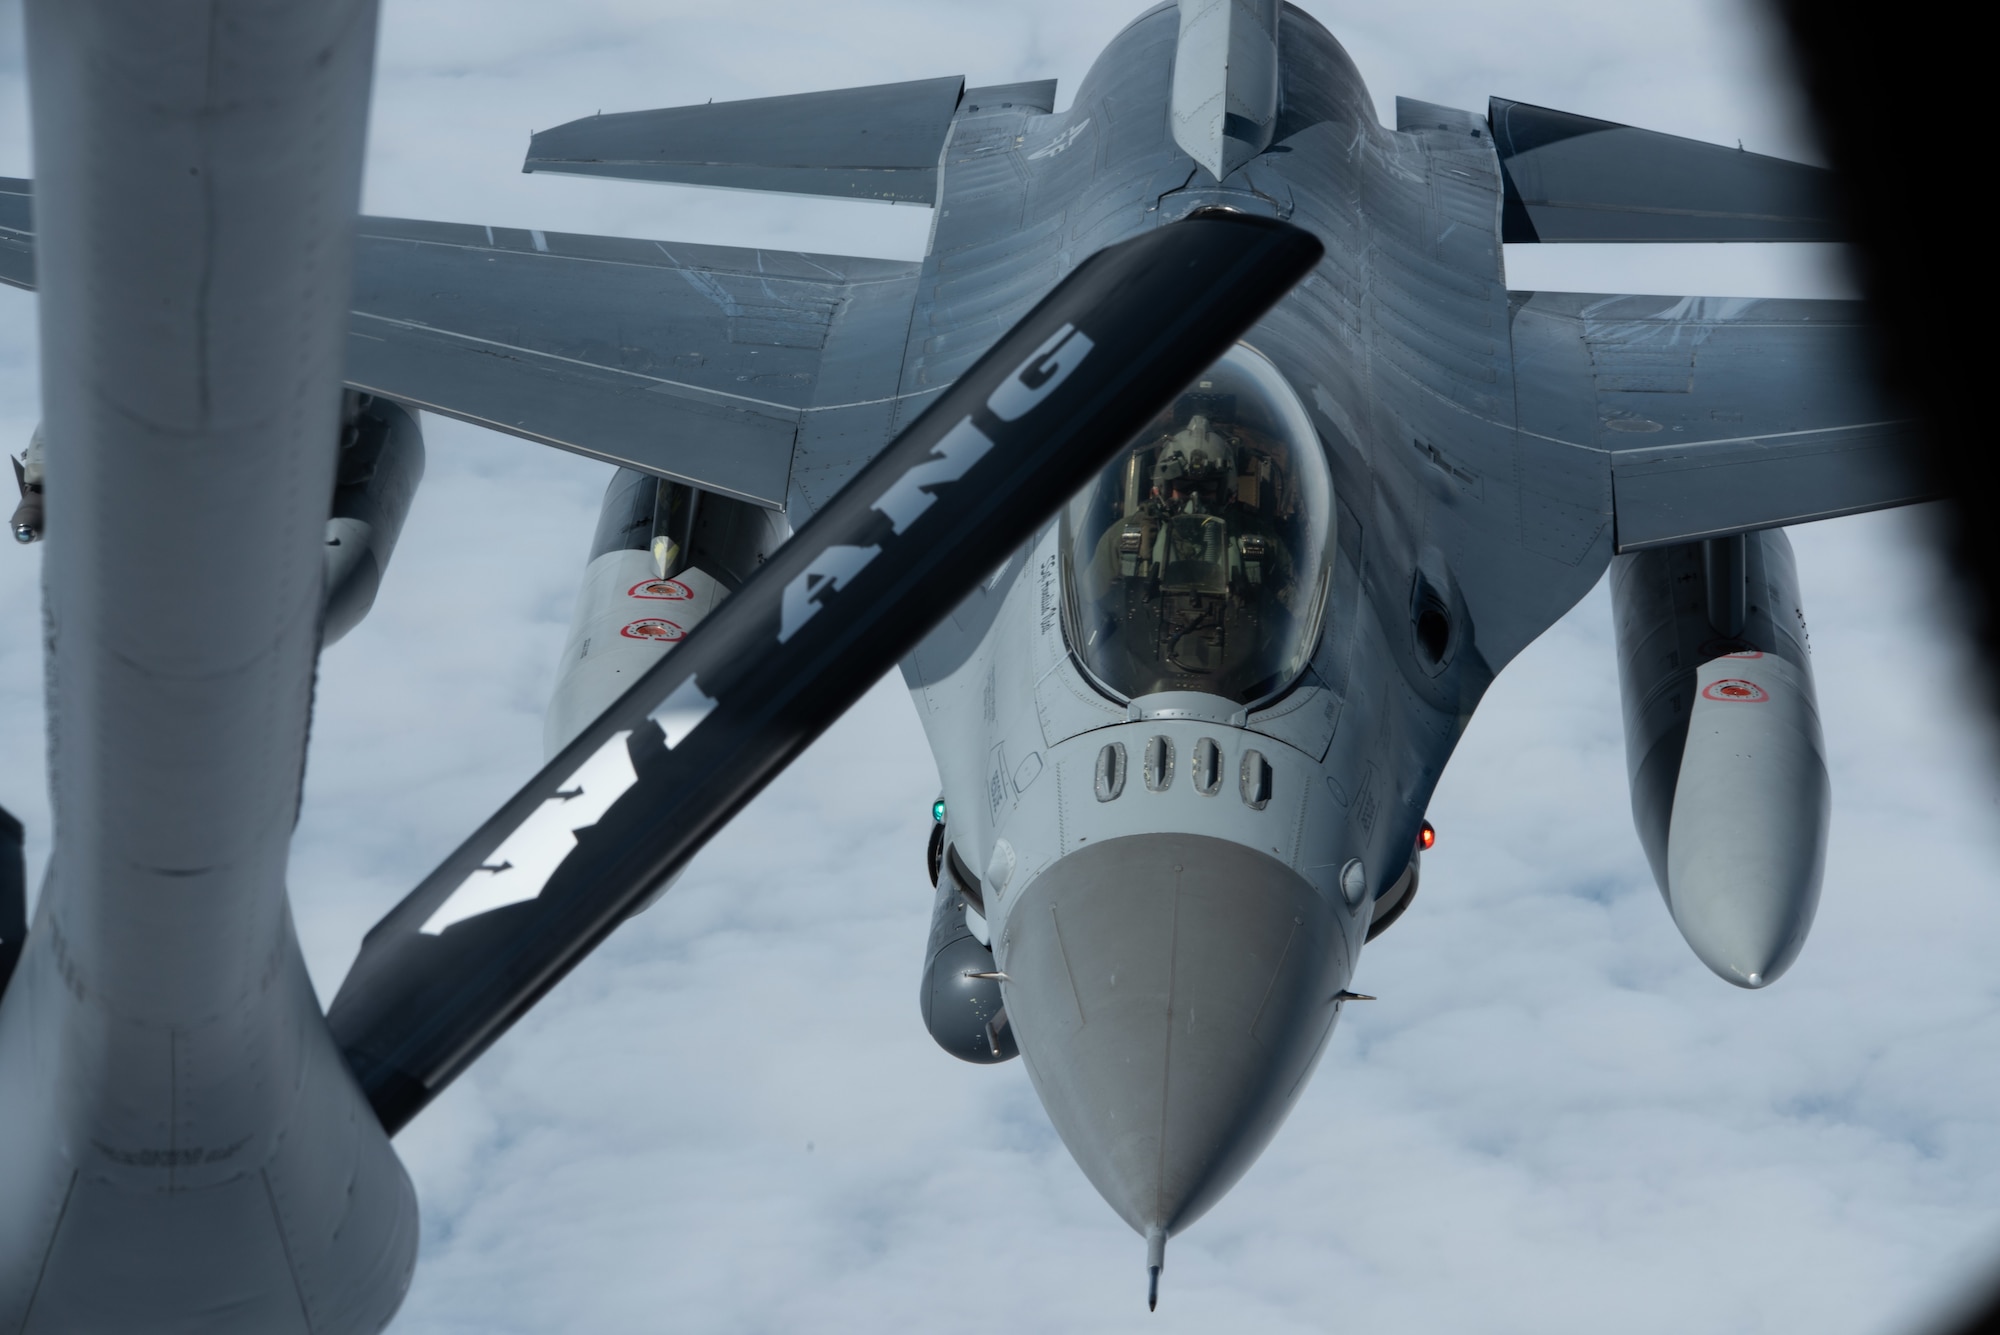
(1199, 559)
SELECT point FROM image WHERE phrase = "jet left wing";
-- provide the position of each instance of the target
(694, 363)
(1719, 415)
(1571, 178)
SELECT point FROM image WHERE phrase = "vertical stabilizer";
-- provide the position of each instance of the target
(1225, 99)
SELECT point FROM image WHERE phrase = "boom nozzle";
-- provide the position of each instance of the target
(1156, 1258)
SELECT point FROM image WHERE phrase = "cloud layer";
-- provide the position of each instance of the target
(731, 1118)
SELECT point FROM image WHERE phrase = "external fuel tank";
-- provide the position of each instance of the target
(1723, 745)
(663, 557)
(960, 992)
(381, 463)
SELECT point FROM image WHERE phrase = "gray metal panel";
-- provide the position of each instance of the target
(1720, 415)
(879, 142)
(1571, 178)
(1224, 104)
(1415, 116)
(1712, 488)
(1033, 95)
(17, 233)
(694, 363)
(853, 412)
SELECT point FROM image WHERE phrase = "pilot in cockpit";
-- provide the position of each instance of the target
(1188, 549)
(1196, 523)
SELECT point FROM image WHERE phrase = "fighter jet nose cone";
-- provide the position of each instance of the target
(1170, 994)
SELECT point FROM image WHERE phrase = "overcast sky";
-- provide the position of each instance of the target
(1555, 1120)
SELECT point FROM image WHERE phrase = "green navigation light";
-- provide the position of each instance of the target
(937, 810)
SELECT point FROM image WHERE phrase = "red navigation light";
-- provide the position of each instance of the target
(1428, 836)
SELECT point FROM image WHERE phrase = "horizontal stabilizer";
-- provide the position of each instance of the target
(880, 142)
(1571, 178)
(1720, 415)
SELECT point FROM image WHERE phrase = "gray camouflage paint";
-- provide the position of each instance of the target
(1488, 450)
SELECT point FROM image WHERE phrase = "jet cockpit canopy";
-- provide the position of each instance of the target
(1200, 558)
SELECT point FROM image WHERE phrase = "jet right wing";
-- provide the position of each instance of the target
(1719, 415)
(695, 363)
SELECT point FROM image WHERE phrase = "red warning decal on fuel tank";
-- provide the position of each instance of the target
(652, 628)
(1737, 691)
(660, 588)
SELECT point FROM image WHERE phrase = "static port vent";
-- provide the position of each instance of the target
(1207, 771)
(1256, 781)
(1110, 781)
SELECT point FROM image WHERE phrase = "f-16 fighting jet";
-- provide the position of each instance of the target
(1188, 699)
